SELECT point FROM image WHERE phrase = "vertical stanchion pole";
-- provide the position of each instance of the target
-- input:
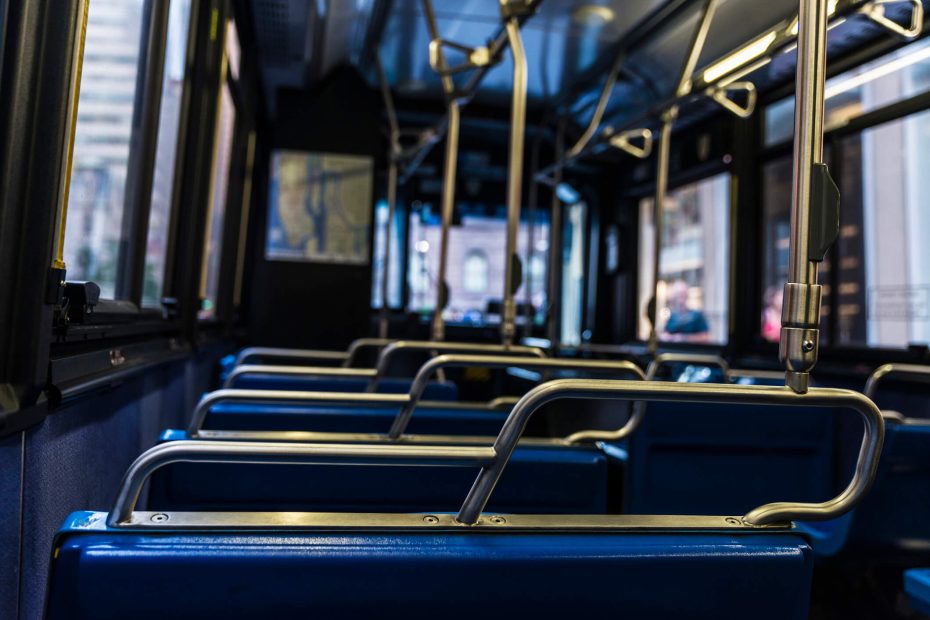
(513, 268)
(814, 203)
(531, 240)
(438, 327)
(393, 152)
(665, 146)
(555, 248)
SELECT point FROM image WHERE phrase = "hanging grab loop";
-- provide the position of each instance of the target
(627, 141)
(875, 11)
(724, 96)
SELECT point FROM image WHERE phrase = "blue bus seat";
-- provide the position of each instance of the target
(704, 459)
(108, 573)
(436, 390)
(426, 420)
(917, 589)
(901, 534)
(538, 479)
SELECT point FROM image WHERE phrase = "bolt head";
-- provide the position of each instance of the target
(807, 346)
(159, 518)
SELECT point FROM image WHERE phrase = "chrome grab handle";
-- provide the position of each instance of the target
(624, 142)
(875, 11)
(297, 371)
(913, 373)
(721, 94)
(275, 352)
(287, 397)
(496, 361)
(866, 465)
(277, 453)
(436, 347)
(663, 359)
(475, 57)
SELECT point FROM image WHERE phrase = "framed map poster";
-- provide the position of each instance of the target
(319, 208)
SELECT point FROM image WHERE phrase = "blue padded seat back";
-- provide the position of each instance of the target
(426, 421)
(445, 391)
(468, 574)
(537, 480)
(894, 519)
(725, 459)
(917, 589)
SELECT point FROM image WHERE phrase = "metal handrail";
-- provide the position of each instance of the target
(435, 348)
(663, 359)
(426, 372)
(277, 453)
(875, 11)
(297, 371)
(912, 373)
(287, 397)
(281, 353)
(767, 514)
(360, 344)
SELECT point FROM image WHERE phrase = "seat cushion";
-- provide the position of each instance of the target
(109, 574)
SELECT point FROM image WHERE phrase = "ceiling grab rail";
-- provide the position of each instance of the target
(875, 11)
(814, 203)
(662, 163)
(415, 156)
(744, 60)
(511, 12)
(485, 361)
(393, 154)
(707, 393)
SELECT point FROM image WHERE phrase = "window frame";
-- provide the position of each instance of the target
(902, 109)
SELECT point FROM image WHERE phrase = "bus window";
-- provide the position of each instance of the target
(396, 264)
(94, 236)
(166, 150)
(883, 288)
(693, 289)
(574, 246)
(476, 263)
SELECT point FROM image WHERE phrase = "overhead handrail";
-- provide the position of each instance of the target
(696, 393)
(710, 361)
(511, 13)
(296, 371)
(430, 137)
(278, 453)
(434, 348)
(475, 57)
(723, 96)
(742, 62)
(875, 11)
(426, 372)
(624, 142)
(599, 109)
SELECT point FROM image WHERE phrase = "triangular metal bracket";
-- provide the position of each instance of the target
(475, 57)
(625, 142)
(875, 11)
(723, 96)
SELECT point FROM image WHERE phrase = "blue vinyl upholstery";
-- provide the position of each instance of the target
(722, 459)
(552, 480)
(917, 589)
(110, 574)
(445, 391)
(425, 420)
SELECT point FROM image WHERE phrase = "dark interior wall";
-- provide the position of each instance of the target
(75, 459)
(315, 305)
